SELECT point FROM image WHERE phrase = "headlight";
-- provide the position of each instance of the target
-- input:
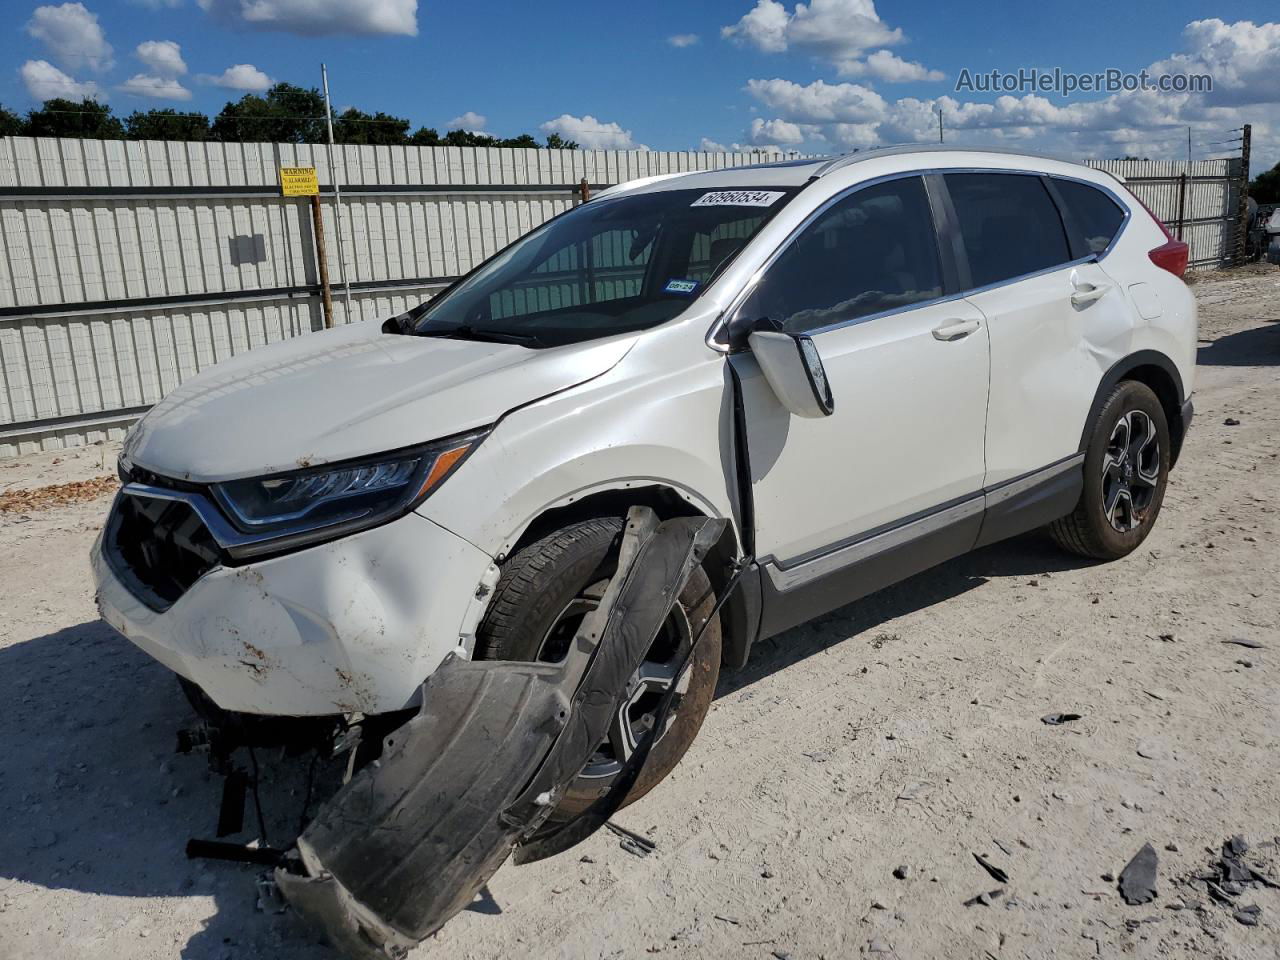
(320, 503)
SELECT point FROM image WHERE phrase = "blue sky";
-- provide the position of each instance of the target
(828, 76)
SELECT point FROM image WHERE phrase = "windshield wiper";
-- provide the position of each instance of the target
(468, 332)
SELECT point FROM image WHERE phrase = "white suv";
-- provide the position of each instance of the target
(867, 365)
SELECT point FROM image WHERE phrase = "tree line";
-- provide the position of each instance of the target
(284, 114)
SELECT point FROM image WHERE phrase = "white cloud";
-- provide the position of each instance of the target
(243, 76)
(1243, 58)
(819, 102)
(775, 132)
(158, 4)
(164, 57)
(319, 17)
(591, 134)
(475, 122)
(680, 40)
(44, 81)
(73, 36)
(707, 145)
(154, 88)
(889, 67)
(838, 31)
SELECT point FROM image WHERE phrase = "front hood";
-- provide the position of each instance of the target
(345, 393)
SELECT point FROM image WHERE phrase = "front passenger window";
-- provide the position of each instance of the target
(872, 251)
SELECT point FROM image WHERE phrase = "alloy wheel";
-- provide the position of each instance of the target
(1130, 471)
(651, 680)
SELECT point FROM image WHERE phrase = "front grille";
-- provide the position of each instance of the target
(158, 548)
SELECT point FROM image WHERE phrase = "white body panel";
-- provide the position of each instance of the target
(892, 380)
(356, 624)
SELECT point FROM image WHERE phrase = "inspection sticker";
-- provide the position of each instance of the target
(680, 286)
(739, 198)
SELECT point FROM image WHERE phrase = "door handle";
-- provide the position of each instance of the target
(955, 329)
(1087, 293)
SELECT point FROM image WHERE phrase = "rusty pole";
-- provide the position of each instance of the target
(584, 190)
(322, 260)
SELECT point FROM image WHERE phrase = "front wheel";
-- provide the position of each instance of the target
(1126, 470)
(545, 590)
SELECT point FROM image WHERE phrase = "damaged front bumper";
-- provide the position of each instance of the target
(350, 626)
(412, 838)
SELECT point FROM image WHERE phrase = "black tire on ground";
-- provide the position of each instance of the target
(1086, 530)
(537, 584)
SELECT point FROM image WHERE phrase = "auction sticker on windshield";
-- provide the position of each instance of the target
(739, 198)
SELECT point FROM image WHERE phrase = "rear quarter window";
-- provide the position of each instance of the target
(1093, 218)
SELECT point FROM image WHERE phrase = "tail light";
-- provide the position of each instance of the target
(1172, 255)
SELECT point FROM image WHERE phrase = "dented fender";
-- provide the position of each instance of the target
(414, 836)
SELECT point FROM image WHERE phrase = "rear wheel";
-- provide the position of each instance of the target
(1126, 470)
(545, 590)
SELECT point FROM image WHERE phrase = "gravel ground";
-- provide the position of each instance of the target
(901, 731)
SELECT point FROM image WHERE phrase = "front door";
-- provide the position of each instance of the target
(909, 373)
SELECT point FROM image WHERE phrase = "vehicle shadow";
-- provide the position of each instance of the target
(97, 801)
(1026, 555)
(1259, 347)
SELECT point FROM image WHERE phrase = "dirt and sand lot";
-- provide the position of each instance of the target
(902, 731)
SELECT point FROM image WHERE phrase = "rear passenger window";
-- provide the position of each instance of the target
(1009, 224)
(872, 251)
(1093, 215)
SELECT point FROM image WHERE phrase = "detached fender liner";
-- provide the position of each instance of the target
(413, 837)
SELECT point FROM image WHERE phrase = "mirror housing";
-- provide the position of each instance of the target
(792, 366)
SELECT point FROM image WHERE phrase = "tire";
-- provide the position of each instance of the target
(1121, 471)
(545, 585)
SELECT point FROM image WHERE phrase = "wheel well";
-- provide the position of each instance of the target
(739, 618)
(1167, 392)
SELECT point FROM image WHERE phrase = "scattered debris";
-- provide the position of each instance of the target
(734, 920)
(1138, 879)
(1057, 719)
(902, 872)
(1244, 642)
(879, 946)
(998, 875)
(984, 899)
(632, 842)
(56, 495)
(1247, 664)
(1248, 915)
(1231, 422)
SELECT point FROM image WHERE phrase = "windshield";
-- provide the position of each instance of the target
(610, 266)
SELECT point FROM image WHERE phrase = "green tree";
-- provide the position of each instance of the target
(425, 137)
(1266, 188)
(284, 114)
(66, 118)
(356, 126)
(166, 124)
(11, 125)
(557, 142)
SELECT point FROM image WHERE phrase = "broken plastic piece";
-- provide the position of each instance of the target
(998, 875)
(1138, 879)
(415, 835)
(1057, 719)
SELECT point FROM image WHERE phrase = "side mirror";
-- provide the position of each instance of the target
(794, 370)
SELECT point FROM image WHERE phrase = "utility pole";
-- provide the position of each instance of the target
(337, 195)
(1188, 146)
(940, 137)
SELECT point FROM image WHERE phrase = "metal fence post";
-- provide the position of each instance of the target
(1182, 203)
(1242, 207)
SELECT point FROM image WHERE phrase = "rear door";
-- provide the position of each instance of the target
(1050, 309)
(908, 371)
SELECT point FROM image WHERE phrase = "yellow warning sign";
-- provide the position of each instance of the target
(299, 181)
